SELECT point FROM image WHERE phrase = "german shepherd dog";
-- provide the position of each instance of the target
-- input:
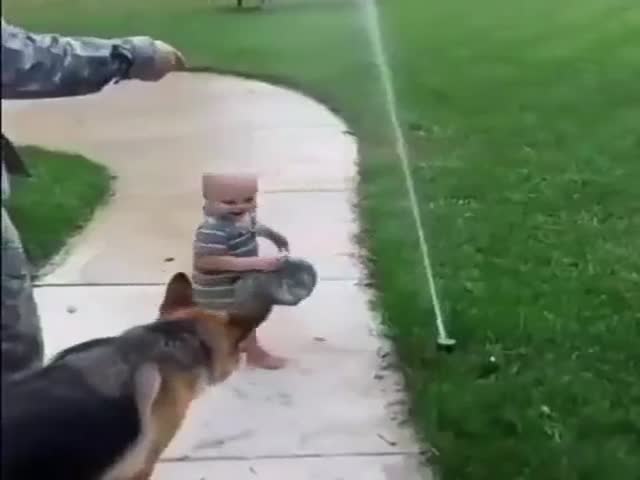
(107, 408)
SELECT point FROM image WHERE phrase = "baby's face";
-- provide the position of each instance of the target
(237, 207)
(230, 195)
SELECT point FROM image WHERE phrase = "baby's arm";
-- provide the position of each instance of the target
(227, 263)
(224, 263)
(279, 240)
(211, 254)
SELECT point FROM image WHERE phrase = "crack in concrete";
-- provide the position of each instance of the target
(295, 456)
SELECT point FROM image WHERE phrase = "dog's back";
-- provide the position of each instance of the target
(55, 424)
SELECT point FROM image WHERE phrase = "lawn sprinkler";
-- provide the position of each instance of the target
(445, 344)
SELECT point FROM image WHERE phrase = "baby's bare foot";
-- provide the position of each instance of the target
(263, 359)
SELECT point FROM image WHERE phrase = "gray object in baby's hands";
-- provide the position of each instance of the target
(292, 283)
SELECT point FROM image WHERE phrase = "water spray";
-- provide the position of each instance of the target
(444, 342)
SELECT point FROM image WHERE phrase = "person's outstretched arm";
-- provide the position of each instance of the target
(36, 65)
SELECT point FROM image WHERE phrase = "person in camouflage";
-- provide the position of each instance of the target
(45, 66)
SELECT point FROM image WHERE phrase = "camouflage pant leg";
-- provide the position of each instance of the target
(22, 347)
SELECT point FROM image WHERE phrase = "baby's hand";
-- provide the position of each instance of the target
(268, 264)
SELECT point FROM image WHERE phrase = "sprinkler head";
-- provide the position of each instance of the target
(446, 344)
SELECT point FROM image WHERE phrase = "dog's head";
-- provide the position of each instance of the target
(220, 332)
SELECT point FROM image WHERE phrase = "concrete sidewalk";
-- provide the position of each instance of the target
(335, 412)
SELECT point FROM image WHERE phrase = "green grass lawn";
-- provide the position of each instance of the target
(56, 202)
(522, 119)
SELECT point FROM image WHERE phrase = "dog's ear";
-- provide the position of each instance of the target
(179, 294)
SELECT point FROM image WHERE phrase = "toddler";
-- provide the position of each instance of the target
(226, 251)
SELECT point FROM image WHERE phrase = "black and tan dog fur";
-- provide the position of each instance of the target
(106, 409)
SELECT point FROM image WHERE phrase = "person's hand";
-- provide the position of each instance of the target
(165, 59)
(168, 59)
(268, 264)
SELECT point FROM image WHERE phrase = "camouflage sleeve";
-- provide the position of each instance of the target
(6, 188)
(49, 65)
